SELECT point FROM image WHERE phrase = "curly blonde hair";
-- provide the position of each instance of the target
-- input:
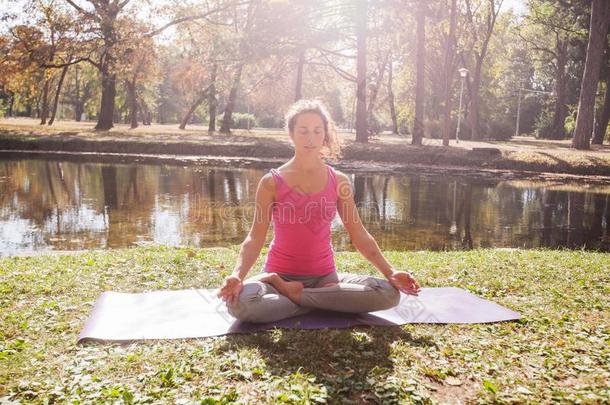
(331, 147)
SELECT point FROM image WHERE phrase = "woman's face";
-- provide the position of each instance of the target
(308, 134)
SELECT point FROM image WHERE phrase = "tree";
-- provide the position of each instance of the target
(600, 18)
(449, 68)
(361, 30)
(137, 56)
(604, 112)
(103, 17)
(420, 66)
(549, 31)
(481, 16)
(239, 68)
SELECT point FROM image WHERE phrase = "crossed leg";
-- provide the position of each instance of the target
(269, 297)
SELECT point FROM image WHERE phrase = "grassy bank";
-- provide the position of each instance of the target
(521, 154)
(558, 351)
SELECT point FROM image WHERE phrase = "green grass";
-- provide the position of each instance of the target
(559, 351)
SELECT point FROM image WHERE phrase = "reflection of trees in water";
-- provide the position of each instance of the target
(548, 200)
(215, 206)
(414, 190)
(576, 207)
(574, 219)
(467, 239)
(110, 191)
(595, 229)
(216, 211)
(114, 224)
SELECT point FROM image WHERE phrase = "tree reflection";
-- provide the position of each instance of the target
(66, 205)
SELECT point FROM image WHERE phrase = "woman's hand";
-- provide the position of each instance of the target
(229, 292)
(404, 282)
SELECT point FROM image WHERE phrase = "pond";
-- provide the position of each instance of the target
(63, 205)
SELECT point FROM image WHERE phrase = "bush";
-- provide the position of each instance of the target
(375, 125)
(403, 118)
(570, 121)
(270, 121)
(433, 129)
(543, 125)
(3, 108)
(240, 121)
(500, 130)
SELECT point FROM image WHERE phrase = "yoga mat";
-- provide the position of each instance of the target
(124, 317)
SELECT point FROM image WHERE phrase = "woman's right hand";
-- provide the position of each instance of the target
(229, 292)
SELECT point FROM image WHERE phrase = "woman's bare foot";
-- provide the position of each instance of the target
(291, 289)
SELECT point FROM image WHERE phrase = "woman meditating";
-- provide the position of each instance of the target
(301, 197)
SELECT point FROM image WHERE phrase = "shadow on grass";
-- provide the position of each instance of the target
(350, 363)
(534, 143)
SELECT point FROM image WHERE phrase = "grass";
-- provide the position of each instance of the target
(559, 351)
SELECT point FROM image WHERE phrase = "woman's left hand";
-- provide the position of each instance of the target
(404, 282)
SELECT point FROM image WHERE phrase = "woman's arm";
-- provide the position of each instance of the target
(253, 244)
(364, 242)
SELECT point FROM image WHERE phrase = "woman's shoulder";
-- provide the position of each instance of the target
(341, 177)
(267, 182)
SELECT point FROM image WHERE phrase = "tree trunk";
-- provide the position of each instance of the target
(299, 81)
(604, 113)
(78, 105)
(448, 76)
(11, 103)
(600, 16)
(557, 130)
(475, 97)
(604, 116)
(44, 100)
(362, 133)
(474, 112)
(132, 101)
(391, 98)
(376, 87)
(189, 113)
(420, 61)
(212, 102)
(105, 119)
(228, 114)
(64, 70)
(146, 114)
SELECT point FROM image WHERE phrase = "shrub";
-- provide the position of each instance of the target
(500, 130)
(543, 125)
(270, 121)
(240, 121)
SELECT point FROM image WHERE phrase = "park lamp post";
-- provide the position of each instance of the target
(463, 74)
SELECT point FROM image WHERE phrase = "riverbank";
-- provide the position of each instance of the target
(520, 157)
(558, 351)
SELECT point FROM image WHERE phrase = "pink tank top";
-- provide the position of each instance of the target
(301, 243)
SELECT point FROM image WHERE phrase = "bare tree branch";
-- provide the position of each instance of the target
(193, 17)
(83, 11)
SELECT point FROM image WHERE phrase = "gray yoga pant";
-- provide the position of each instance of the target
(260, 302)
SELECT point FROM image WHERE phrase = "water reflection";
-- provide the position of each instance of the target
(63, 205)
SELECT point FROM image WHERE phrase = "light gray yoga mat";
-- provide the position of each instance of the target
(122, 317)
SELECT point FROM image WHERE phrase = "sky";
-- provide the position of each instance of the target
(518, 6)
(14, 6)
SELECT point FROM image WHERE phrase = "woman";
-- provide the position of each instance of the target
(302, 197)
